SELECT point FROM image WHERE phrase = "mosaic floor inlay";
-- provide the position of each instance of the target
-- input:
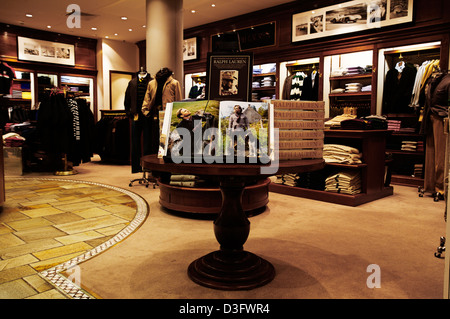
(49, 226)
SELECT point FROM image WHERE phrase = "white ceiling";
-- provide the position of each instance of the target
(106, 15)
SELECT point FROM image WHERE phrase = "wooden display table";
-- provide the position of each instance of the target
(231, 267)
(193, 199)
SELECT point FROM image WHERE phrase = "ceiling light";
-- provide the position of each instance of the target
(144, 26)
(124, 18)
(130, 29)
(192, 11)
(94, 29)
(28, 15)
(213, 5)
(107, 37)
(116, 34)
(49, 26)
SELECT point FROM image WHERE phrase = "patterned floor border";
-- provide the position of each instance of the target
(65, 285)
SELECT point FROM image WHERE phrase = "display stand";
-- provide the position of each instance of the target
(231, 267)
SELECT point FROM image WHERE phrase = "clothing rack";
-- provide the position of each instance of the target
(66, 170)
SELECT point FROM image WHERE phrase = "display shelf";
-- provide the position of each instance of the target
(262, 90)
(372, 145)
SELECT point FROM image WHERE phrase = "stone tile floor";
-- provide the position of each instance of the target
(46, 223)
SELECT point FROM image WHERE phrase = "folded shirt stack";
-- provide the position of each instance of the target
(337, 91)
(394, 125)
(367, 88)
(409, 146)
(336, 153)
(418, 170)
(344, 183)
(267, 81)
(340, 72)
(355, 70)
(353, 87)
(185, 180)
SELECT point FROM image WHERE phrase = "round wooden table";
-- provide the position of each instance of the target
(231, 267)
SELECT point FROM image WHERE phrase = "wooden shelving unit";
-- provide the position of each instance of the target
(372, 144)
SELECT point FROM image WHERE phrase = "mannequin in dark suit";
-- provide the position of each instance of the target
(140, 124)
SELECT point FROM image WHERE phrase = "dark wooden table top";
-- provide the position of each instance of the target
(152, 162)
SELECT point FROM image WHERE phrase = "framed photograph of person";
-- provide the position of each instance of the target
(45, 51)
(351, 16)
(229, 76)
(190, 49)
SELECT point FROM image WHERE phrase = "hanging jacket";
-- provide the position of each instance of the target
(398, 91)
(132, 101)
(171, 92)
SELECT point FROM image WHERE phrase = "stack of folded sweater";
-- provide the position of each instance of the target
(336, 153)
(355, 70)
(13, 140)
(418, 170)
(344, 182)
(185, 180)
(336, 121)
(409, 146)
(394, 125)
(287, 179)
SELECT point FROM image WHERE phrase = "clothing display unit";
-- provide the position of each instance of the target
(300, 80)
(371, 143)
(401, 84)
(264, 82)
(348, 83)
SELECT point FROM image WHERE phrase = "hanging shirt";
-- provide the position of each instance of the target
(6, 77)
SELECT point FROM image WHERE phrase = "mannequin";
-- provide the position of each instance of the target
(140, 124)
(437, 94)
(161, 90)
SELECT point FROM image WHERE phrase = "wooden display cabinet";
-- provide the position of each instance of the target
(372, 144)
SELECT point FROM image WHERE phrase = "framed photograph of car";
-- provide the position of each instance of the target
(352, 16)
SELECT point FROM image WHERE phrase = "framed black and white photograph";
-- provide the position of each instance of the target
(352, 16)
(229, 76)
(190, 49)
(45, 51)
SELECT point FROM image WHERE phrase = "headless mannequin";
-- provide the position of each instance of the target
(140, 125)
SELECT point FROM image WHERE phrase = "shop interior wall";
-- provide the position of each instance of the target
(431, 20)
(113, 55)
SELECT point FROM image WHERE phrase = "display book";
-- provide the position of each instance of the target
(211, 131)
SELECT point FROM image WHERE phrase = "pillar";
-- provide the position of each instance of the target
(164, 37)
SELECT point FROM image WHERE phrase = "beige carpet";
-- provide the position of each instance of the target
(319, 250)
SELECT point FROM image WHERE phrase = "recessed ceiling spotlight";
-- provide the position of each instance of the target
(130, 29)
(49, 26)
(116, 34)
(124, 18)
(94, 29)
(193, 11)
(107, 37)
(144, 26)
(29, 15)
(213, 5)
